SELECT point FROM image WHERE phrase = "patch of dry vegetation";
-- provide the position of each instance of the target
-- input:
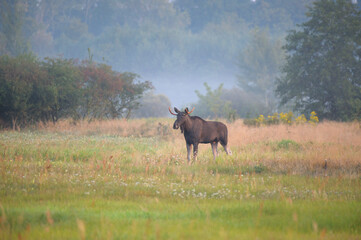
(302, 148)
(325, 132)
(119, 127)
(331, 146)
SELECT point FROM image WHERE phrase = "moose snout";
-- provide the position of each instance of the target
(175, 125)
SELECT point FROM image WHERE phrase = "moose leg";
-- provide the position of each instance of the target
(195, 151)
(226, 148)
(189, 149)
(214, 149)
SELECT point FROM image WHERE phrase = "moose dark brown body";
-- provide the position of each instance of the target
(196, 130)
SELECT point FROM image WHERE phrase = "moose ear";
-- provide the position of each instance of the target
(176, 110)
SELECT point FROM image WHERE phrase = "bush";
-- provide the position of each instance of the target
(32, 90)
(284, 118)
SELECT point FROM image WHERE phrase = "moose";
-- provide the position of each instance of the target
(196, 130)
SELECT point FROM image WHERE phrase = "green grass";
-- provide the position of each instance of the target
(196, 217)
(61, 186)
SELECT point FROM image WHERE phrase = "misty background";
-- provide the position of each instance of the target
(188, 50)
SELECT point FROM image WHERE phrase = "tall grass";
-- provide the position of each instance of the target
(240, 135)
(338, 144)
(122, 128)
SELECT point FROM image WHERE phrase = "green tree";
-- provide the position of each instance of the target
(276, 15)
(259, 66)
(212, 105)
(109, 94)
(128, 99)
(11, 28)
(323, 64)
(59, 93)
(17, 78)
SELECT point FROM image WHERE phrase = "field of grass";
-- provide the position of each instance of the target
(130, 180)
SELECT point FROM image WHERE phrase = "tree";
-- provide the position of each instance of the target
(33, 91)
(259, 66)
(109, 94)
(323, 63)
(59, 93)
(276, 15)
(17, 78)
(11, 28)
(212, 105)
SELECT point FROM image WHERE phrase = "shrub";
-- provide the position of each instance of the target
(284, 118)
(274, 119)
(313, 118)
(251, 122)
(301, 119)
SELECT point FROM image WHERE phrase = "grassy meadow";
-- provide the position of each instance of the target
(121, 179)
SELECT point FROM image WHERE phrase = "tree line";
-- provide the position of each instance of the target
(33, 90)
(144, 36)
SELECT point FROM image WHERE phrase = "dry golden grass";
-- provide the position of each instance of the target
(239, 134)
(325, 132)
(118, 127)
(282, 148)
(338, 144)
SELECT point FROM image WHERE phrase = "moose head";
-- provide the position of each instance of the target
(181, 117)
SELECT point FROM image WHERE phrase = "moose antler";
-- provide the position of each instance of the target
(171, 111)
(188, 111)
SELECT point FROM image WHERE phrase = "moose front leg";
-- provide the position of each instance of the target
(227, 149)
(195, 151)
(189, 149)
